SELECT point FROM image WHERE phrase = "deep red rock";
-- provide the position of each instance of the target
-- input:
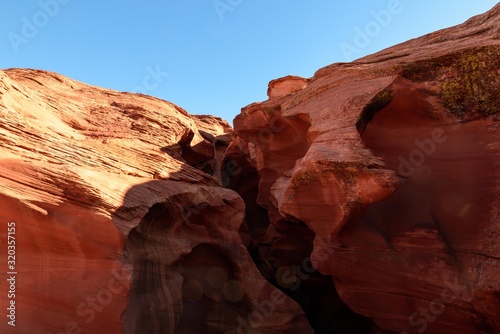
(367, 194)
(87, 171)
(392, 163)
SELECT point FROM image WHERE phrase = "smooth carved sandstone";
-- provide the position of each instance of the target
(192, 274)
(87, 171)
(286, 86)
(361, 200)
(391, 162)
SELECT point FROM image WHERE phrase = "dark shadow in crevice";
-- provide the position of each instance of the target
(313, 291)
(176, 289)
(377, 103)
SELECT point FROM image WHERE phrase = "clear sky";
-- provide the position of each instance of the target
(209, 56)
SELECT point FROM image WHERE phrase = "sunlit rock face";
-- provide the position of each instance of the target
(285, 86)
(361, 200)
(122, 224)
(382, 175)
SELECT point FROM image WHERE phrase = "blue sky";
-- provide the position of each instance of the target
(209, 56)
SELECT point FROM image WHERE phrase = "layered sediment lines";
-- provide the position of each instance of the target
(361, 200)
(389, 166)
(122, 224)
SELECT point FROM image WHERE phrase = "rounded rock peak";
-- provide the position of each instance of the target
(286, 86)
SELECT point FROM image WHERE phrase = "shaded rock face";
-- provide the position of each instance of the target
(361, 200)
(122, 224)
(382, 175)
(192, 274)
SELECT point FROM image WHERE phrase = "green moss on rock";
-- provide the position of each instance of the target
(474, 86)
(305, 178)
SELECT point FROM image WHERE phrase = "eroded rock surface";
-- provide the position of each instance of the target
(361, 200)
(286, 86)
(387, 169)
(87, 171)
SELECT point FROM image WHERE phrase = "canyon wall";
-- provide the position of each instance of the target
(387, 170)
(361, 200)
(121, 222)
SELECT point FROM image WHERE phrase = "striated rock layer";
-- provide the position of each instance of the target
(121, 221)
(387, 169)
(361, 200)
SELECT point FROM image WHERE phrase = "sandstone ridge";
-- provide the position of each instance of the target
(361, 200)
(110, 192)
(386, 170)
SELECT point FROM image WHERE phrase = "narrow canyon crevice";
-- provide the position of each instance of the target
(268, 146)
(361, 200)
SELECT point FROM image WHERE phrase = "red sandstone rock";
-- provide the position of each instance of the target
(286, 86)
(392, 162)
(81, 167)
(380, 175)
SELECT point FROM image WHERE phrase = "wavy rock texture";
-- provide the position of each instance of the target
(361, 200)
(86, 171)
(387, 170)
